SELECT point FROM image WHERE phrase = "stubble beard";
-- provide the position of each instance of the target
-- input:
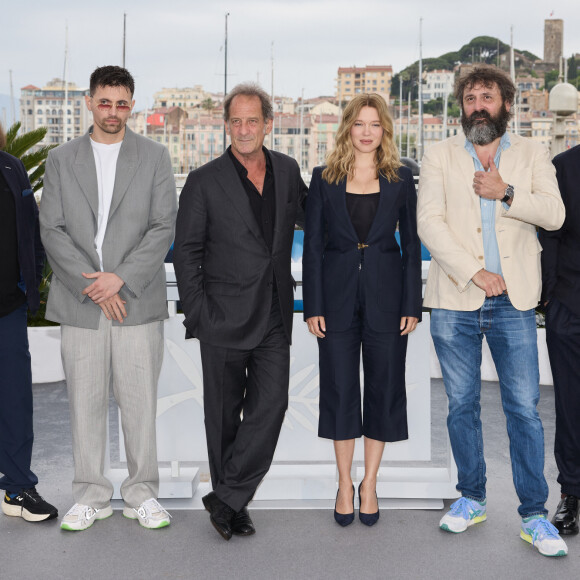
(113, 129)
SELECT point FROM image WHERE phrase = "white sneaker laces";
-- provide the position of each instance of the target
(150, 508)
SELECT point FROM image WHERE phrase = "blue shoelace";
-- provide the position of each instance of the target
(542, 529)
(462, 507)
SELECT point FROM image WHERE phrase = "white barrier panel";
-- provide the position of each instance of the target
(303, 467)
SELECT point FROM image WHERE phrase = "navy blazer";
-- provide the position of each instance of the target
(561, 248)
(331, 259)
(30, 250)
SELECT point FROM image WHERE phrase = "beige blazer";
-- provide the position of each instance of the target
(449, 222)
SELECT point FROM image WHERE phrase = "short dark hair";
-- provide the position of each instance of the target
(111, 76)
(249, 90)
(486, 75)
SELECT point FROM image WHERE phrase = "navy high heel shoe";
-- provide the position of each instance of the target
(344, 519)
(368, 519)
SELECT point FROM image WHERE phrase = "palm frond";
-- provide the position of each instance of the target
(32, 160)
(18, 146)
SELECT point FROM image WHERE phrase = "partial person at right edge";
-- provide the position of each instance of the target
(362, 291)
(21, 263)
(561, 299)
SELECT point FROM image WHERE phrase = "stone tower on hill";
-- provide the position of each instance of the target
(553, 40)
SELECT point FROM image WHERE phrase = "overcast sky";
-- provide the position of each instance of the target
(180, 42)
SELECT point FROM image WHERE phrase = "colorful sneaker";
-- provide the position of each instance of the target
(28, 505)
(80, 517)
(539, 532)
(463, 513)
(150, 514)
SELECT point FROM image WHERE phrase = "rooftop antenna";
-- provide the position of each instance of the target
(65, 82)
(513, 76)
(124, 36)
(420, 95)
(226, 71)
(272, 96)
(12, 105)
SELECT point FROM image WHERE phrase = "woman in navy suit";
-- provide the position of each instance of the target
(361, 289)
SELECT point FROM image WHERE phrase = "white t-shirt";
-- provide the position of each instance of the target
(106, 163)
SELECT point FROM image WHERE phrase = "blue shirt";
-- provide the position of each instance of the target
(490, 247)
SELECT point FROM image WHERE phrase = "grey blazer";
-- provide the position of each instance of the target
(140, 229)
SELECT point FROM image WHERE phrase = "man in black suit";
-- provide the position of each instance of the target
(233, 245)
(21, 263)
(560, 296)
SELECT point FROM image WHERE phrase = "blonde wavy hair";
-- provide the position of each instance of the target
(340, 161)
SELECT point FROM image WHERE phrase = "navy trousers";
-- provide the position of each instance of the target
(383, 416)
(563, 340)
(16, 431)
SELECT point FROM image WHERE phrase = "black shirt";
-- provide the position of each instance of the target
(264, 205)
(362, 209)
(11, 296)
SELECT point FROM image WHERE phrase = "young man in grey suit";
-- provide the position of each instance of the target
(233, 244)
(107, 221)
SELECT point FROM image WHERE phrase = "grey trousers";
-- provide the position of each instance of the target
(131, 356)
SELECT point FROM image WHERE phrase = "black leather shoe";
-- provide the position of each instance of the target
(243, 524)
(344, 519)
(566, 517)
(210, 501)
(368, 519)
(221, 516)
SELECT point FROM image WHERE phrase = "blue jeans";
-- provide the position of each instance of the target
(511, 336)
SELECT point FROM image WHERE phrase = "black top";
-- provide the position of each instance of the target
(11, 296)
(264, 205)
(362, 209)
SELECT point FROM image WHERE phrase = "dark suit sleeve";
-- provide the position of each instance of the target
(39, 255)
(411, 251)
(313, 249)
(550, 241)
(302, 194)
(189, 249)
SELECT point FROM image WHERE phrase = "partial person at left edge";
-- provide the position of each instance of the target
(21, 263)
(107, 219)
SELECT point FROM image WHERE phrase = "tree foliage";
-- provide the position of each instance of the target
(482, 49)
(20, 145)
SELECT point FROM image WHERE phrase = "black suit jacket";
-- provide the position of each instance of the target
(30, 251)
(331, 257)
(561, 248)
(223, 266)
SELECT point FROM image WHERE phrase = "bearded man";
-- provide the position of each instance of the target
(481, 196)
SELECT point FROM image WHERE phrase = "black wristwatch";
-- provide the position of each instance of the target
(509, 194)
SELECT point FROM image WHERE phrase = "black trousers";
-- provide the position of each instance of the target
(16, 433)
(384, 409)
(563, 339)
(245, 400)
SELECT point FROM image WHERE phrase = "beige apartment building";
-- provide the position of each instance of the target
(45, 107)
(187, 98)
(369, 79)
(438, 83)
